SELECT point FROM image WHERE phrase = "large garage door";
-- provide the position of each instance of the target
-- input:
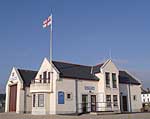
(13, 98)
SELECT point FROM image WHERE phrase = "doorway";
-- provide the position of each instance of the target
(84, 103)
(13, 98)
(93, 103)
(125, 103)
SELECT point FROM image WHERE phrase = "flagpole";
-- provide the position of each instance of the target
(51, 55)
(51, 40)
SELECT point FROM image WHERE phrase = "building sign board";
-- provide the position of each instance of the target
(89, 88)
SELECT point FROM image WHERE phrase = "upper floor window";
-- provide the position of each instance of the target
(44, 75)
(107, 77)
(114, 80)
(48, 75)
(40, 76)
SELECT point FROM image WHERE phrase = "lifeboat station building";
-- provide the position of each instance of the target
(66, 88)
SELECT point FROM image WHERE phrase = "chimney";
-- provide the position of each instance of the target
(92, 70)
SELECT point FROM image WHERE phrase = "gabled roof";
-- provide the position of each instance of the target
(96, 69)
(27, 76)
(76, 71)
(68, 70)
(126, 78)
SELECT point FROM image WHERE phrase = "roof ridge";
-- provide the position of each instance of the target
(72, 63)
(99, 64)
(26, 69)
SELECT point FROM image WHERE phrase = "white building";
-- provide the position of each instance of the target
(72, 88)
(145, 95)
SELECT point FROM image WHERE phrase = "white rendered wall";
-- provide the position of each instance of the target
(28, 100)
(110, 67)
(16, 79)
(135, 90)
(68, 86)
(50, 103)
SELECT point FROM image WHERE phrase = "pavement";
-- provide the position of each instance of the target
(84, 116)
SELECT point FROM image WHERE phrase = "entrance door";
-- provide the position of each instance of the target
(124, 101)
(93, 103)
(84, 103)
(12, 98)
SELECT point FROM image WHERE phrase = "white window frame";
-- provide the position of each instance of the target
(39, 101)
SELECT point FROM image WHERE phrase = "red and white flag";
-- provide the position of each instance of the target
(47, 22)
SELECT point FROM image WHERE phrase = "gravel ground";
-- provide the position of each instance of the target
(85, 116)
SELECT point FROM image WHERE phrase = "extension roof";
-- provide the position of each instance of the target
(27, 76)
(126, 78)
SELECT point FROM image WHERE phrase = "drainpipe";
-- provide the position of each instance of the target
(130, 96)
(25, 100)
(76, 93)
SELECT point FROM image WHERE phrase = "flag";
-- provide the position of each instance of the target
(47, 22)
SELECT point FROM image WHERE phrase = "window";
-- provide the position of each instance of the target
(68, 96)
(108, 100)
(107, 77)
(44, 75)
(48, 75)
(40, 100)
(134, 97)
(115, 100)
(114, 80)
(40, 76)
(33, 100)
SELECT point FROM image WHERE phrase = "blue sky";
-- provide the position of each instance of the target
(84, 33)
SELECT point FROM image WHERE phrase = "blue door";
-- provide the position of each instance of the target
(60, 97)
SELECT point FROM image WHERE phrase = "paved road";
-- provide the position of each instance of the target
(85, 116)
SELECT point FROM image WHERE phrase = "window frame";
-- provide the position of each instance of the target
(114, 82)
(108, 100)
(107, 78)
(115, 100)
(45, 75)
(34, 100)
(39, 101)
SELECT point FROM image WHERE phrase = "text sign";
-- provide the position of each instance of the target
(89, 88)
